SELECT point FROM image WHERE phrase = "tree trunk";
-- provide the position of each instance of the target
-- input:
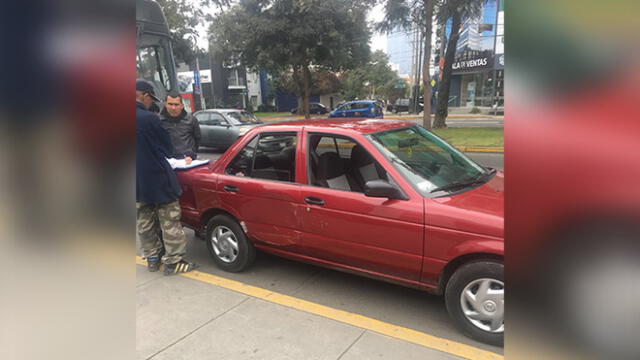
(307, 81)
(442, 110)
(426, 62)
(298, 89)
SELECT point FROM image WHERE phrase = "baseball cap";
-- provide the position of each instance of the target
(145, 86)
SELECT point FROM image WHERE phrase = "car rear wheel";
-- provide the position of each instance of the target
(475, 300)
(228, 244)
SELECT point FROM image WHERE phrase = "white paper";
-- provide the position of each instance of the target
(182, 164)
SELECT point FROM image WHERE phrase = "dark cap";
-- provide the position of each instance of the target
(145, 86)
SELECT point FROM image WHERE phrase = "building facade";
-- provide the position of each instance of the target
(400, 51)
(478, 69)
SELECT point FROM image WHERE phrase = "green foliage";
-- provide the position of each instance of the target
(462, 8)
(475, 110)
(374, 79)
(294, 37)
(182, 18)
(279, 34)
(404, 14)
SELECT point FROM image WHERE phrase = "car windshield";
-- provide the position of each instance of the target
(429, 163)
(243, 118)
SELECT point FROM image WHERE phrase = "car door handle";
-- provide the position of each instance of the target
(313, 200)
(231, 188)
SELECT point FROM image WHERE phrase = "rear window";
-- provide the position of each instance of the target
(243, 117)
(359, 105)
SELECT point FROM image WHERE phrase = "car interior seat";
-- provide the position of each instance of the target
(331, 172)
(363, 167)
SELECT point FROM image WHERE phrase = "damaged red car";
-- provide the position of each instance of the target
(381, 198)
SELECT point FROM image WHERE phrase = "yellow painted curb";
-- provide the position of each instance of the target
(363, 322)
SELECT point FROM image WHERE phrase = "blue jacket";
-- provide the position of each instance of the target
(156, 182)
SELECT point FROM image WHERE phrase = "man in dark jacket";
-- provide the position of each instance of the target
(157, 190)
(183, 128)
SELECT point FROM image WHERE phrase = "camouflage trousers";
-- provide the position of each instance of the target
(153, 220)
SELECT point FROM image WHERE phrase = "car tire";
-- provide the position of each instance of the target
(482, 320)
(228, 245)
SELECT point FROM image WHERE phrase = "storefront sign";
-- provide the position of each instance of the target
(473, 64)
(187, 79)
(500, 62)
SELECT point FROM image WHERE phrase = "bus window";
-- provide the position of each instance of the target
(152, 65)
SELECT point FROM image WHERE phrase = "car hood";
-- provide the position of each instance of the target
(480, 210)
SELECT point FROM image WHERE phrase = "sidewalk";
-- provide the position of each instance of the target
(202, 316)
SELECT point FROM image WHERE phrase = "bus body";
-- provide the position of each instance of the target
(154, 58)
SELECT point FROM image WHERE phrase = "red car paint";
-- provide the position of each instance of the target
(403, 241)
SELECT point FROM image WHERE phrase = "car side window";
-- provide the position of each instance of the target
(276, 157)
(341, 163)
(202, 117)
(269, 156)
(217, 119)
(359, 105)
(242, 163)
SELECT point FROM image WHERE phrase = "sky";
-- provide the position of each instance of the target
(378, 41)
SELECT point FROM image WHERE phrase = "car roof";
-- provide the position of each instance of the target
(222, 110)
(353, 101)
(356, 125)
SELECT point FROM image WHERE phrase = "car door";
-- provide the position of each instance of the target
(342, 110)
(221, 132)
(204, 120)
(342, 225)
(258, 187)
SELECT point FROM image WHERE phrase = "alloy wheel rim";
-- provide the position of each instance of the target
(224, 243)
(482, 302)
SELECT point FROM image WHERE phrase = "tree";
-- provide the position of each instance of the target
(394, 90)
(182, 18)
(299, 36)
(371, 80)
(322, 82)
(457, 11)
(418, 14)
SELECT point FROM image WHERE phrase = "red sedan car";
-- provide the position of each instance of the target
(380, 198)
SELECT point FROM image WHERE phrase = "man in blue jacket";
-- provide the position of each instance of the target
(157, 190)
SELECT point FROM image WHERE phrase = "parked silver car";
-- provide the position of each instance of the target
(220, 128)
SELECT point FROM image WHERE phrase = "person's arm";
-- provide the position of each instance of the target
(164, 140)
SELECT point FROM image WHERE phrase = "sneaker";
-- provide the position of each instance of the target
(179, 267)
(153, 263)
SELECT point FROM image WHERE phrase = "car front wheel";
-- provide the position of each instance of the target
(228, 244)
(475, 300)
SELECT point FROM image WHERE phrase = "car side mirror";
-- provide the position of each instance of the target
(383, 189)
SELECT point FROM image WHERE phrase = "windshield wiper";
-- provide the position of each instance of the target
(457, 185)
(491, 171)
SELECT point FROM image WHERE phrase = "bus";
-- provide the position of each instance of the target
(154, 58)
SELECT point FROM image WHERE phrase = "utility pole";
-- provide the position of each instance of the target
(199, 83)
(416, 92)
(414, 65)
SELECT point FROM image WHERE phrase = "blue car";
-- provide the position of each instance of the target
(358, 108)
